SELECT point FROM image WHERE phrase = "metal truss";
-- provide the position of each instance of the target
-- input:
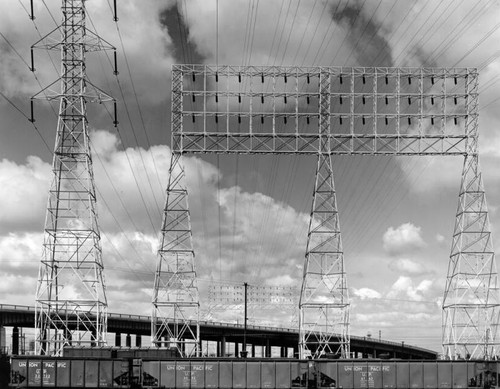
(71, 305)
(471, 305)
(324, 298)
(175, 319)
(338, 110)
(261, 300)
(275, 110)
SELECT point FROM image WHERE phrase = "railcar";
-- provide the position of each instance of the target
(267, 373)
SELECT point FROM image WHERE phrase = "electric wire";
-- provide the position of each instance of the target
(345, 36)
(50, 151)
(247, 33)
(269, 55)
(362, 33)
(141, 116)
(478, 43)
(253, 33)
(315, 32)
(414, 35)
(282, 31)
(290, 33)
(327, 37)
(124, 207)
(465, 24)
(249, 56)
(29, 119)
(294, 60)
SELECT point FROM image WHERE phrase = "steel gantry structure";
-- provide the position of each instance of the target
(326, 111)
(71, 305)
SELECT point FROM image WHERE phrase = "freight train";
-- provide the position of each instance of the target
(266, 373)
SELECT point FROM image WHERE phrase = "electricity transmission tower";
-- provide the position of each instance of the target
(471, 304)
(325, 111)
(324, 298)
(71, 305)
(175, 318)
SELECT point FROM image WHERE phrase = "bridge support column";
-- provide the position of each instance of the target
(236, 349)
(165, 342)
(128, 341)
(268, 348)
(295, 350)
(118, 339)
(221, 347)
(283, 352)
(3, 340)
(253, 350)
(93, 337)
(138, 341)
(15, 341)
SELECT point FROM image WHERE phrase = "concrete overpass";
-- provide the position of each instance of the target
(266, 338)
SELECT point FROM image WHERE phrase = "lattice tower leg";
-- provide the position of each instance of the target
(71, 306)
(324, 300)
(471, 304)
(175, 319)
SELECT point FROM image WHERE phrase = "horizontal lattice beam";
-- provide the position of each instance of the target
(394, 111)
(310, 144)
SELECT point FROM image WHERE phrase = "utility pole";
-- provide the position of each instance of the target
(71, 305)
(244, 352)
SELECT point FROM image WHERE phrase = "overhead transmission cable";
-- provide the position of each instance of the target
(290, 32)
(362, 33)
(465, 24)
(141, 117)
(253, 33)
(345, 36)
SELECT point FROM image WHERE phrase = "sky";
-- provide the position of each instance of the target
(249, 214)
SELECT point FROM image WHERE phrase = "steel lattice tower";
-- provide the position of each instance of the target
(471, 304)
(324, 300)
(71, 305)
(175, 318)
(325, 111)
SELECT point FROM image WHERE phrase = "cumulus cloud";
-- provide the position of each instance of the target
(366, 293)
(23, 194)
(404, 287)
(408, 267)
(147, 39)
(262, 240)
(406, 237)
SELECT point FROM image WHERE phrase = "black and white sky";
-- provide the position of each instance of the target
(249, 214)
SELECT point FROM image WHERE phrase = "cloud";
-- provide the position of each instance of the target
(403, 287)
(408, 267)
(405, 238)
(363, 33)
(261, 240)
(23, 194)
(147, 39)
(366, 293)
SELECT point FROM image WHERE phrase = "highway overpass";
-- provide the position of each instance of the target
(259, 337)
